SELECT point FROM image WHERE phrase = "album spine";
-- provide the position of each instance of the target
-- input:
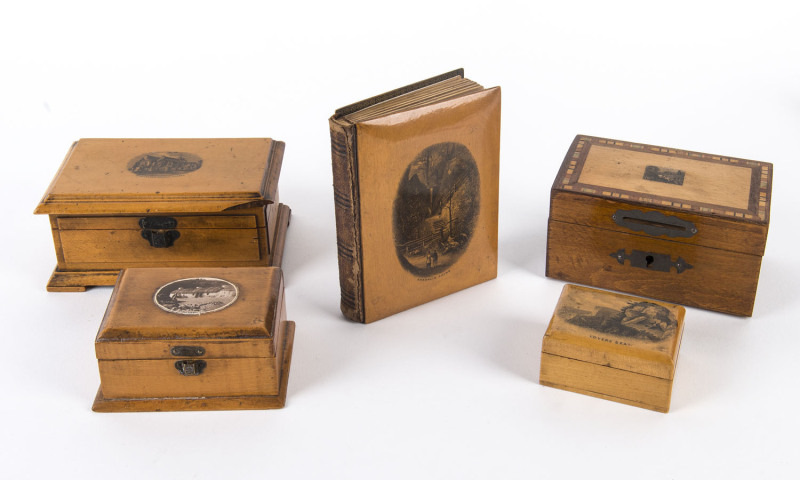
(348, 223)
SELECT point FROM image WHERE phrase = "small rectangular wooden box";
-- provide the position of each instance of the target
(680, 226)
(613, 346)
(194, 339)
(119, 203)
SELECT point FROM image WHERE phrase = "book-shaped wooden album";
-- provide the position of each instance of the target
(415, 188)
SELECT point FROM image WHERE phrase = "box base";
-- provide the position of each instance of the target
(605, 382)
(80, 280)
(606, 397)
(240, 402)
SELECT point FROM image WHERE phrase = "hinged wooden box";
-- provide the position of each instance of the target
(680, 226)
(613, 346)
(119, 203)
(194, 339)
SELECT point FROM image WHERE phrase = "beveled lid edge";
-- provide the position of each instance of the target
(212, 202)
(106, 333)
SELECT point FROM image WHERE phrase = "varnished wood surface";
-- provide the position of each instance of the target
(94, 177)
(240, 402)
(604, 382)
(128, 222)
(714, 232)
(160, 348)
(723, 184)
(80, 281)
(116, 242)
(721, 203)
(132, 315)
(98, 247)
(719, 280)
(712, 185)
(648, 350)
(283, 218)
(614, 346)
(160, 378)
(474, 121)
(123, 248)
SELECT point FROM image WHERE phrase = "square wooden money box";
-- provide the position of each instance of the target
(120, 203)
(194, 339)
(613, 346)
(670, 224)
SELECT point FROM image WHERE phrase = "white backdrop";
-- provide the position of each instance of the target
(449, 389)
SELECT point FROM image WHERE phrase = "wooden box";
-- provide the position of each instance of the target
(613, 346)
(680, 226)
(194, 339)
(120, 203)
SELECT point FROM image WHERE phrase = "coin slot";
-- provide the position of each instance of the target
(650, 223)
(654, 223)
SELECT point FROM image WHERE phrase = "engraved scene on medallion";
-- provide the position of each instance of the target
(196, 296)
(637, 320)
(164, 164)
(436, 208)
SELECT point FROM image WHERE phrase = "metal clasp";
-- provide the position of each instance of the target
(660, 262)
(158, 231)
(190, 368)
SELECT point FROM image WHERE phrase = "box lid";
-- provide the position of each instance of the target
(615, 330)
(227, 311)
(721, 202)
(113, 176)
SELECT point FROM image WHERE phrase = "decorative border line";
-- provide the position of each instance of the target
(761, 183)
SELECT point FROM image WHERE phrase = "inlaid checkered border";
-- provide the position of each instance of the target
(758, 208)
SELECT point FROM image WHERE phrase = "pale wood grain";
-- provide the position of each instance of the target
(605, 382)
(132, 315)
(726, 185)
(127, 248)
(224, 210)
(227, 402)
(160, 378)
(592, 347)
(386, 147)
(78, 281)
(94, 177)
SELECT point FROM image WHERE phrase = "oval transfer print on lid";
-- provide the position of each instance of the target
(196, 296)
(637, 320)
(164, 164)
(436, 208)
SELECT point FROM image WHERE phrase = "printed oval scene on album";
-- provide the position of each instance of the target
(436, 208)
(195, 296)
(164, 164)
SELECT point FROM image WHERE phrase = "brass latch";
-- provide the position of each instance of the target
(190, 368)
(158, 231)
